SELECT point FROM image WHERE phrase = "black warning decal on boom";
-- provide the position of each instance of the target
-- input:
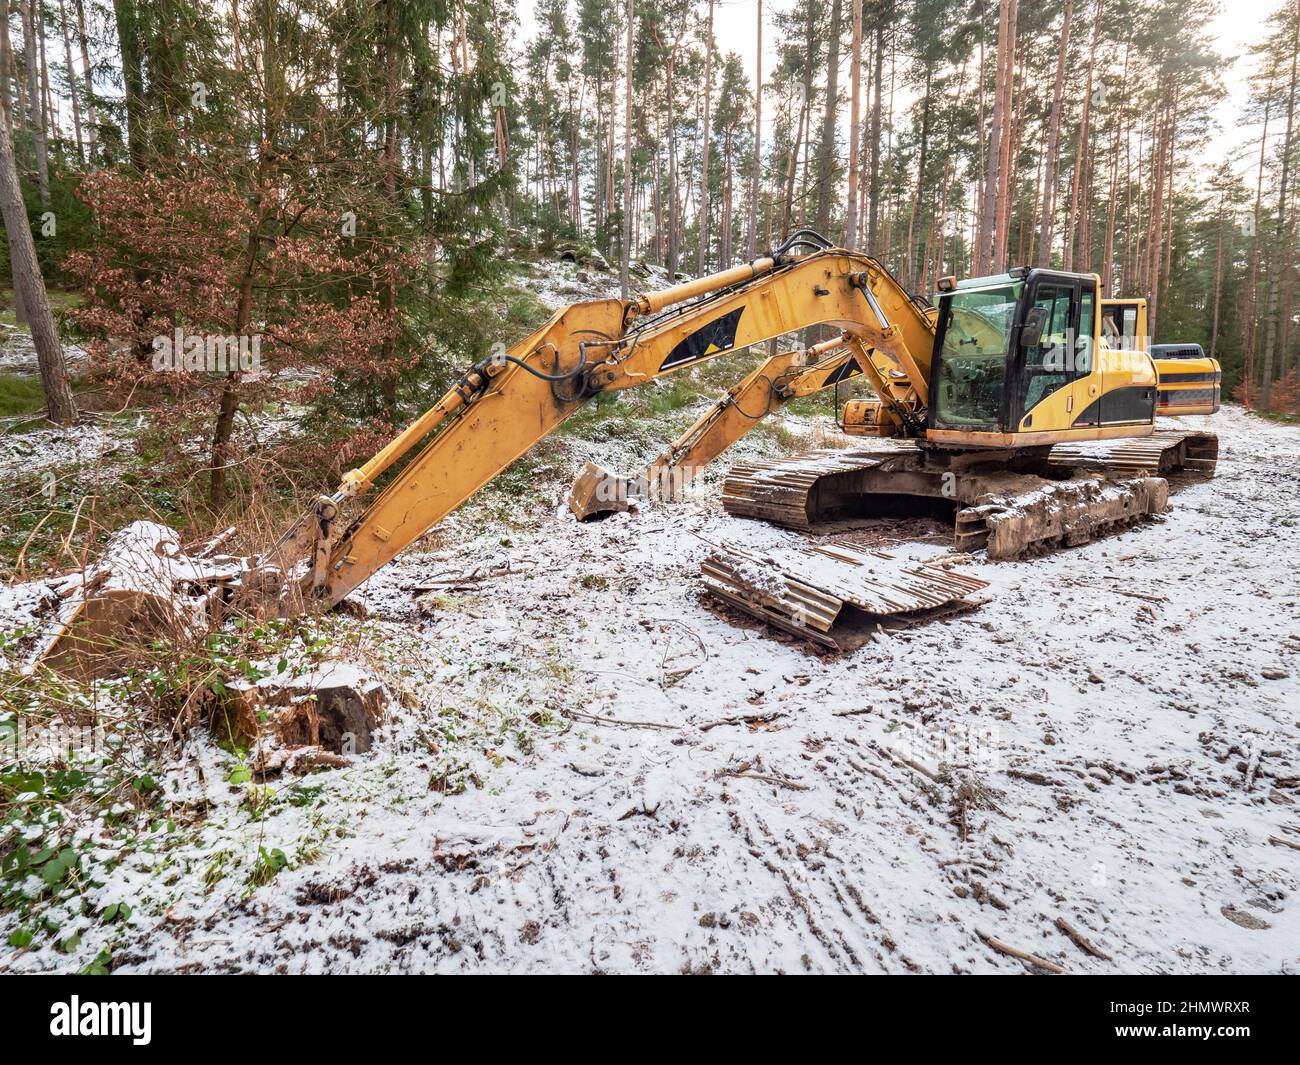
(717, 335)
(843, 373)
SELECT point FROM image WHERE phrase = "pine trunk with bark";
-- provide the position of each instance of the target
(826, 150)
(29, 289)
(1279, 241)
(36, 98)
(873, 194)
(855, 136)
(757, 175)
(627, 158)
(702, 251)
(1053, 133)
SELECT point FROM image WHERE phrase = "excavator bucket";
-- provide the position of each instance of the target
(597, 493)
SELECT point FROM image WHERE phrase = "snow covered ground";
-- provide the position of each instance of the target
(18, 354)
(652, 785)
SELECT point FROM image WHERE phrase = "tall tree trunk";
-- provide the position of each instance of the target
(912, 273)
(29, 289)
(804, 136)
(792, 164)
(20, 85)
(627, 156)
(1006, 153)
(724, 239)
(47, 100)
(609, 157)
(1155, 212)
(388, 290)
(72, 79)
(873, 194)
(1170, 166)
(1218, 283)
(674, 196)
(575, 192)
(1108, 255)
(36, 98)
(126, 15)
(702, 251)
(1249, 312)
(826, 150)
(993, 177)
(855, 118)
(1279, 243)
(1053, 132)
(756, 178)
(981, 171)
(1082, 142)
(6, 67)
(889, 146)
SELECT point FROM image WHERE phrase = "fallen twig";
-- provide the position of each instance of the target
(767, 778)
(1079, 939)
(1141, 595)
(910, 763)
(598, 719)
(502, 566)
(18, 565)
(1022, 955)
(744, 719)
(1032, 777)
(220, 540)
(1278, 841)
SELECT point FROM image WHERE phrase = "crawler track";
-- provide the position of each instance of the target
(1008, 504)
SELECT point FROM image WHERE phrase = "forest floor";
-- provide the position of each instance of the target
(586, 766)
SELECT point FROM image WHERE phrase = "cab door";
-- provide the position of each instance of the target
(1084, 407)
(1049, 365)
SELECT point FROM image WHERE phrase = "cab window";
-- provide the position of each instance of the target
(1049, 364)
(1119, 325)
(975, 327)
(1084, 345)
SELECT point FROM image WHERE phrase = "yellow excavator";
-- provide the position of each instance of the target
(1009, 405)
(1006, 405)
(1041, 429)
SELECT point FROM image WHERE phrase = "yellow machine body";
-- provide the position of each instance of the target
(1189, 380)
(1007, 362)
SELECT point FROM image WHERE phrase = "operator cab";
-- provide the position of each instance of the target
(1017, 363)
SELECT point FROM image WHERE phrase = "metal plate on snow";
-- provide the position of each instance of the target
(834, 593)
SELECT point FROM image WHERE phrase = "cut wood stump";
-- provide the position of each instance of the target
(335, 709)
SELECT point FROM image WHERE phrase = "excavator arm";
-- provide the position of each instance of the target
(508, 402)
(773, 383)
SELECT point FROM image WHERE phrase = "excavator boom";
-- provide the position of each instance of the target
(507, 403)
